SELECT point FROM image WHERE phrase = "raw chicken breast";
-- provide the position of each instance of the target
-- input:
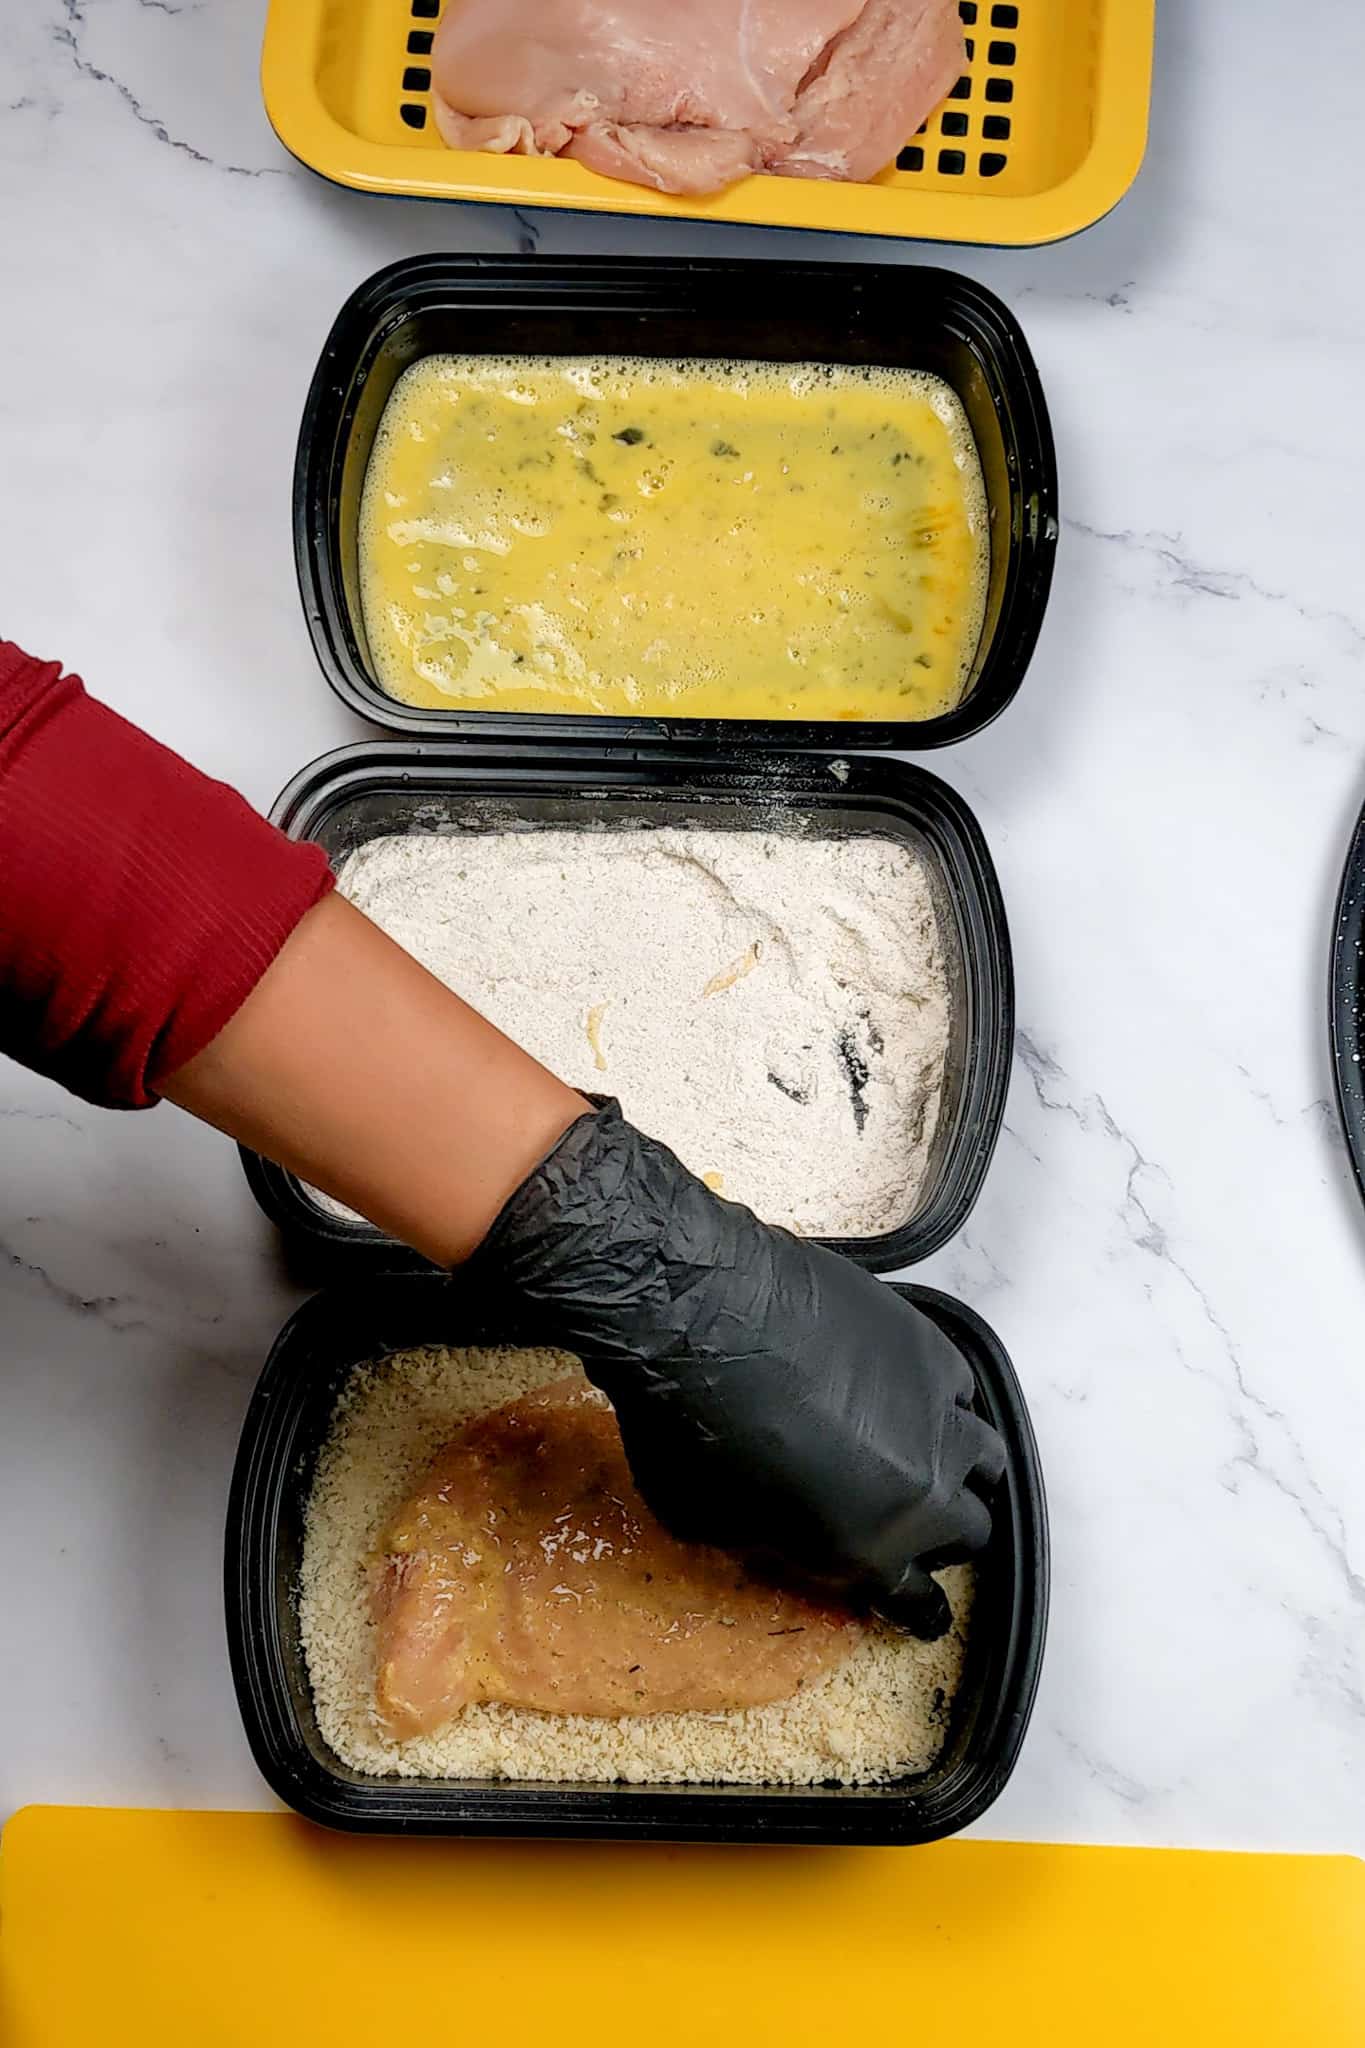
(526, 1569)
(689, 98)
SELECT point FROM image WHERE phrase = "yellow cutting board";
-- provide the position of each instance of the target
(222, 1930)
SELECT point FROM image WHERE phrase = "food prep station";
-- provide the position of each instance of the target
(1166, 1151)
(731, 775)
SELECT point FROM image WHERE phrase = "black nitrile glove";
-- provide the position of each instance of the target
(773, 1398)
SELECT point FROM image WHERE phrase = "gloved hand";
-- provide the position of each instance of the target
(773, 1398)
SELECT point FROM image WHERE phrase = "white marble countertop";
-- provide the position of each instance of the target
(1169, 1242)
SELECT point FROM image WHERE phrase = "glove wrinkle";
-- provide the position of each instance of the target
(773, 1399)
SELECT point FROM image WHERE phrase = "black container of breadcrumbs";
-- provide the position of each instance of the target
(452, 771)
(288, 1422)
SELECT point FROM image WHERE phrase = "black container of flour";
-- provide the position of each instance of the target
(902, 317)
(370, 791)
(285, 1427)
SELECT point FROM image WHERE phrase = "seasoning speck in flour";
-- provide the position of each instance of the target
(773, 1006)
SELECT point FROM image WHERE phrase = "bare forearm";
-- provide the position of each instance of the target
(355, 1068)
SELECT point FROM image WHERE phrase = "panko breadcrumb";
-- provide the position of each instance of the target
(883, 1714)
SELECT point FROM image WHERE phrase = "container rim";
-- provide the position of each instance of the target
(913, 295)
(269, 1453)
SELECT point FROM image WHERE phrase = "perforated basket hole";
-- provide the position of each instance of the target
(415, 79)
(982, 80)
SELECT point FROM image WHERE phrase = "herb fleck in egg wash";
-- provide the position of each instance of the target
(695, 539)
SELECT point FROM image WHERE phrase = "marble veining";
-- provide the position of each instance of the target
(1169, 1241)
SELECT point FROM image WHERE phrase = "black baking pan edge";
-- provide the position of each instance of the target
(1346, 1002)
(759, 300)
(280, 1438)
(872, 782)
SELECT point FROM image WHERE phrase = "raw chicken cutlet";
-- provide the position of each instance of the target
(687, 99)
(525, 1569)
(879, 1714)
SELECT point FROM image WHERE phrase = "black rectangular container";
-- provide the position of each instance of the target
(898, 316)
(285, 1427)
(366, 791)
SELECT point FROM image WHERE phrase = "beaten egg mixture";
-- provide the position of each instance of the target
(686, 539)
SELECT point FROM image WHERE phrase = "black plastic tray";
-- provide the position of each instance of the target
(365, 791)
(1346, 1002)
(916, 318)
(285, 1427)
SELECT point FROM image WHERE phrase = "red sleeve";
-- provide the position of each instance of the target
(140, 902)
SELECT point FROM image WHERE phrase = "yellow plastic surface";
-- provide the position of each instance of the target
(1078, 81)
(257, 1931)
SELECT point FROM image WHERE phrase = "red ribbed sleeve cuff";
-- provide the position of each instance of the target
(140, 902)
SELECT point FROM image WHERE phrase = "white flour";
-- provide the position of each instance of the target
(774, 1007)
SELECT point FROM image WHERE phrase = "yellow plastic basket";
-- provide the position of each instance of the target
(1041, 136)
